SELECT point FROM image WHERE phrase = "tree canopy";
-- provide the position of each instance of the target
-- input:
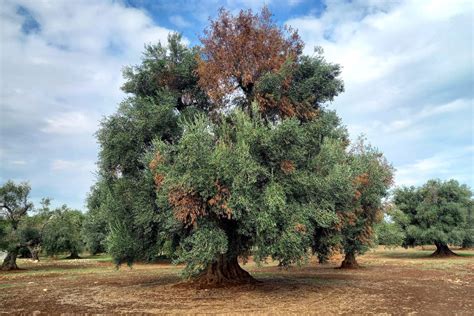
(242, 185)
(227, 150)
(15, 204)
(435, 213)
(248, 57)
(372, 177)
(62, 232)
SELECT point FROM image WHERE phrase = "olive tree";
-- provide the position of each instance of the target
(372, 177)
(245, 187)
(435, 213)
(62, 233)
(225, 150)
(15, 204)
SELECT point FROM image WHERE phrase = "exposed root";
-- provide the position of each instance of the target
(223, 272)
(73, 256)
(349, 262)
(442, 250)
(9, 263)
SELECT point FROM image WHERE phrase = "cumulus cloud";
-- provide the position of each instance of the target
(70, 123)
(60, 165)
(61, 67)
(443, 165)
(407, 67)
(179, 21)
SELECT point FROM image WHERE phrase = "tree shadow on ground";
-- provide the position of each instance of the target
(421, 254)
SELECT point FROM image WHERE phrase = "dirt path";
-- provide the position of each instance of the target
(391, 282)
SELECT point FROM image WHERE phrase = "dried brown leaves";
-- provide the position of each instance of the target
(238, 50)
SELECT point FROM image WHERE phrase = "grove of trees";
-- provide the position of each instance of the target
(24, 229)
(228, 150)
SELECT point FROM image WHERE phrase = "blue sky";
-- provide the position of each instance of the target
(407, 66)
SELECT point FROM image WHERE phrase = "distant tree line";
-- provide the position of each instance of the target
(28, 231)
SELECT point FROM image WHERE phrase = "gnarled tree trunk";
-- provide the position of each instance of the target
(442, 250)
(223, 271)
(9, 263)
(73, 255)
(467, 243)
(34, 250)
(349, 261)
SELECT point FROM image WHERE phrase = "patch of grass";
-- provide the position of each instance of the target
(405, 255)
(98, 258)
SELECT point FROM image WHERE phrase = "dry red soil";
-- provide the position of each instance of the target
(390, 282)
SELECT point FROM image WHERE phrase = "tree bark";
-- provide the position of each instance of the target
(9, 263)
(349, 261)
(467, 244)
(223, 271)
(34, 250)
(442, 250)
(73, 255)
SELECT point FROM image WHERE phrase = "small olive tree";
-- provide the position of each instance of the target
(436, 213)
(372, 177)
(62, 233)
(15, 204)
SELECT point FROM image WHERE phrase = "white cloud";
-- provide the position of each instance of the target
(444, 165)
(70, 123)
(294, 2)
(18, 162)
(179, 21)
(394, 48)
(426, 113)
(72, 165)
(57, 79)
(407, 68)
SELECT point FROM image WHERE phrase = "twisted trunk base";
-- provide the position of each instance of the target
(34, 250)
(73, 255)
(222, 272)
(349, 262)
(467, 244)
(442, 250)
(9, 263)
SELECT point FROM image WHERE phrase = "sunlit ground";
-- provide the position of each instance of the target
(390, 281)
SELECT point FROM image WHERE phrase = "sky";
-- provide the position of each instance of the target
(407, 66)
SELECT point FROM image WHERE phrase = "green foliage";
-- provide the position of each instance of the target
(3, 234)
(62, 232)
(183, 177)
(201, 248)
(389, 234)
(125, 136)
(437, 212)
(14, 202)
(14, 207)
(95, 225)
(31, 227)
(265, 187)
(372, 177)
(164, 89)
(169, 68)
(122, 245)
(314, 81)
(468, 241)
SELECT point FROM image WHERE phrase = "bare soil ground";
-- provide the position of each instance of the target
(395, 281)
